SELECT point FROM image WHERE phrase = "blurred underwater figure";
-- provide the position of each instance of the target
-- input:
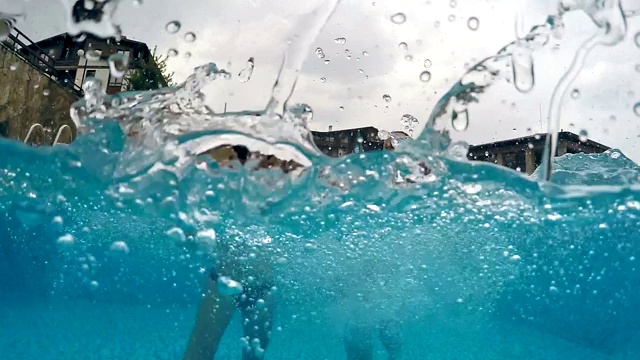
(254, 296)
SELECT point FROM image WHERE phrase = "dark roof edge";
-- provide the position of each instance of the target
(537, 137)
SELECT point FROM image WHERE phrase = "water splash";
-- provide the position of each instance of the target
(92, 16)
(118, 65)
(7, 23)
(245, 74)
(312, 23)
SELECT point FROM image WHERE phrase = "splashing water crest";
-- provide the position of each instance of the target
(93, 17)
(245, 74)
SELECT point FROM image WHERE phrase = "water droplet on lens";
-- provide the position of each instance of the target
(584, 136)
(425, 76)
(364, 53)
(408, 57)
(636, 108)
(46, 92)
(245, 74)
(452, 17)
(118, 65)
(398, 18)
(575, 93)
(320, 53)
(189, 37)
(340, 41)
(452, 3)
(341, 108)
(403, 46)
(386, 98)
(460, 120)
(427, 63)
(473, 23)
(172, 52)
(13, 67)
(173, 27)
(323, 79)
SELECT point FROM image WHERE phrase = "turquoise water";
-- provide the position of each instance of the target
(475, 261)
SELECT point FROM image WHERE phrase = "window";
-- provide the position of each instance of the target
(114, 81)
(90, 73)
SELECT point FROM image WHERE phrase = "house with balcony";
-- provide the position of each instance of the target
(344, 142)
(87, 56)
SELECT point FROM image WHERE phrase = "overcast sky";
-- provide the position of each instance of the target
(229, 32)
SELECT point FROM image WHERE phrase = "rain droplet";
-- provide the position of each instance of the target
(340, 41)
(473, 23)
(118, 65)
(425, 76)
(408, 57)
(398, 18)
(245, 74)
(327, 62)
(452, 3)
(173, 27)
(584, 136)
(189, 37)
(575, 93)
(386, 98)
(320, 53)
(323, 79)
(636, 108)
(460, 120)
(341, 108)
(403, 46)
(427, 63)
(13, 67)
(452, 17)
(523, 73)
(172, 52)
(365, 53)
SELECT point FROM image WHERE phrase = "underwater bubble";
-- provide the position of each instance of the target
(398, 18)
(473, 23)
(189, 37)
(386, 98)
(403, 46)
(118, 65)
(176, 234)
(340, 41)
(119, 246)
(514, 258)
(373, 207)
(245, 74)
(173, 27)
(320, 53)
(427, 63)
(228, 287)
(472, 189)
(66, 239)
(172, 52)
(460, 120)
(206, 237)
(425, 76)
(636, 108)
(575, 93)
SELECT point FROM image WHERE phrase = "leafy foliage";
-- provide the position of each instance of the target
(151, 75)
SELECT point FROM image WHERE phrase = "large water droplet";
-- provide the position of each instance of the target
(340, 41)
(473, 23)
(584, 136)
(245, 74)
(189, 37)
(7, 22)
(172, 52)
(427, 63)
(403, 46)
(323, 79)
(425, 76)
(460, 120)
(398, 18)
(575, 93)
(320, 53)
(386, 98)
(173, 27)
(118, 65)
(636, 108)
(523, 72)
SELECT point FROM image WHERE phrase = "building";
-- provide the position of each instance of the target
(525, 154)
(343, 142)
(87, 56)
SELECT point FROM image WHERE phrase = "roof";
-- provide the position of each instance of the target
(56, 39)
(343, 130)
(563, 135)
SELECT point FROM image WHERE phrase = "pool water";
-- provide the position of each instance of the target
(476, 261)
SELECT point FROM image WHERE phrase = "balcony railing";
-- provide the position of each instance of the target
(21, 45)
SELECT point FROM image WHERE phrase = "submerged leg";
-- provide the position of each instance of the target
(256, 306)
(214, 314)
(391, 337)
(358, 342)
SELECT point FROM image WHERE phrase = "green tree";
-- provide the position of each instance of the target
(150, 75)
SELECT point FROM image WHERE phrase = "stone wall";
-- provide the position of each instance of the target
(28, 97)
